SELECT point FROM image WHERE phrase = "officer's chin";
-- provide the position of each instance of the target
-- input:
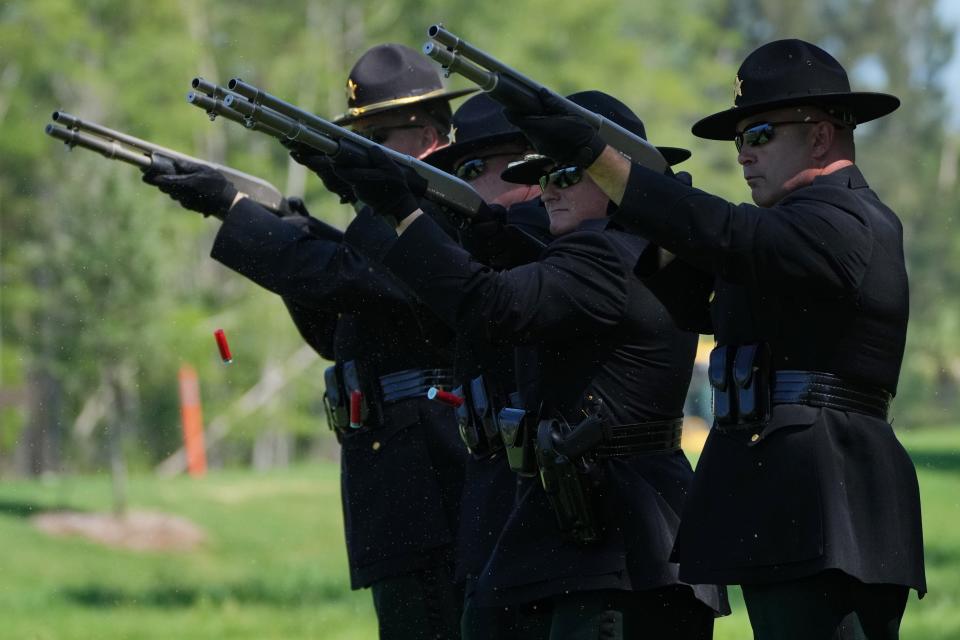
(561, 221)
(761, 197)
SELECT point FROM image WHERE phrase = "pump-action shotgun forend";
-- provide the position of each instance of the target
(517, 92)
(116, 145)
(258, 110)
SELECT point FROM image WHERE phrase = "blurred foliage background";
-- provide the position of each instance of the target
(106, 284)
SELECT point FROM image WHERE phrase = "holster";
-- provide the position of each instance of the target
(342, 382)
(570, 479)
(718, 374)
(477, 419)
(516, 431)
(335, 401)
(740, 378)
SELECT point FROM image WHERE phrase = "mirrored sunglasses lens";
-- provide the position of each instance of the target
(569, 177)
(471, 169)
(562, 178)
(758, 135)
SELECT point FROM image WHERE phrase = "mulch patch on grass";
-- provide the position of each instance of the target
(136, 530)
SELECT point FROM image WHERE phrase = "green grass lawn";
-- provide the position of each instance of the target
(274, 564)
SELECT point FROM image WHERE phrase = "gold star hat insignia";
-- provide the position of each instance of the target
(351, 89)
(452, 136)
(737, 88)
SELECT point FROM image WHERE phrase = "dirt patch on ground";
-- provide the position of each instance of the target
(137, 530)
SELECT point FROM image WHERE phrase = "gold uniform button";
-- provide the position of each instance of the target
(376, 445)
(753, 438)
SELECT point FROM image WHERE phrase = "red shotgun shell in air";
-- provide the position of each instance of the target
(223, 346)
(447, 398)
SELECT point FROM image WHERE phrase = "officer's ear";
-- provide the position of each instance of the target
(431, 139)
(822, 137)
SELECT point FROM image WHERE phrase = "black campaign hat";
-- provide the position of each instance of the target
(389, 76)
(478, 123)
(530, 169)
(788, 73)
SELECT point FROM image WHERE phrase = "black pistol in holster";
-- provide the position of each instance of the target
(740, 378)
(570, 478)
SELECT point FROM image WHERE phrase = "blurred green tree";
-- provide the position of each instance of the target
(106, 285)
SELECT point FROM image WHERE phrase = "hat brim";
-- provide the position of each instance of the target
(356, 113)
(529, 170)
(444, 158)
(866, 106)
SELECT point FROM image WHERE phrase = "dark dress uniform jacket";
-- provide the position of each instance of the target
(596, 331)
(820, 277)
(490, 486)
(401, 478)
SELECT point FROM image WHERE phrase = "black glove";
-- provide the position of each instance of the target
(322, 165)
(506, 238)
(684, 177)
(297, 206)
(567, 138)
(389, 189)
(197, 187)
(482, 237)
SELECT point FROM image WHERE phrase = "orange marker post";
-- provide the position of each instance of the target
(192, 418)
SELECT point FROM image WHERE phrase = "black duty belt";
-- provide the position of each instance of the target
(827, 390)
(622, 440)
(413, 383)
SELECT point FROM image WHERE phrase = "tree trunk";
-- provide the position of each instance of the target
(39, 447)
(117, 415)
(272, 449)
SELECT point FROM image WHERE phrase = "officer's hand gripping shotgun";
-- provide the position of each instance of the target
(519, 93)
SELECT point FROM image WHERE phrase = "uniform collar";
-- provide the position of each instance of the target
(595, 224)
(849, 177)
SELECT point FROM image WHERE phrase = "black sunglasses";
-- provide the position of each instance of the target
(563, 177)
(382, 134)
(762, 133)
(471, 169)
(475, 167)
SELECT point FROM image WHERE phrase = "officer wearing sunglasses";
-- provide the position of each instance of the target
(598, 347)
(803, 495)
(512, 232)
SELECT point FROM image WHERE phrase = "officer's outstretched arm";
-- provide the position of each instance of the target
(610, 172)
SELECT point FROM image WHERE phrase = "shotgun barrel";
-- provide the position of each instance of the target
(519, 93)
(116, 145)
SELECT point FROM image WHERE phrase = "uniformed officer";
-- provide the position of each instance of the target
(585, 551)
(513, 231)
(401, 459)
(803, 493)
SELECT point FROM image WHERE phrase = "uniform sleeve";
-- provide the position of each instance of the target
(315, 227)
(288, 259)
(684, 290)
(316, 327)
(577, 287)
(815, 238)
